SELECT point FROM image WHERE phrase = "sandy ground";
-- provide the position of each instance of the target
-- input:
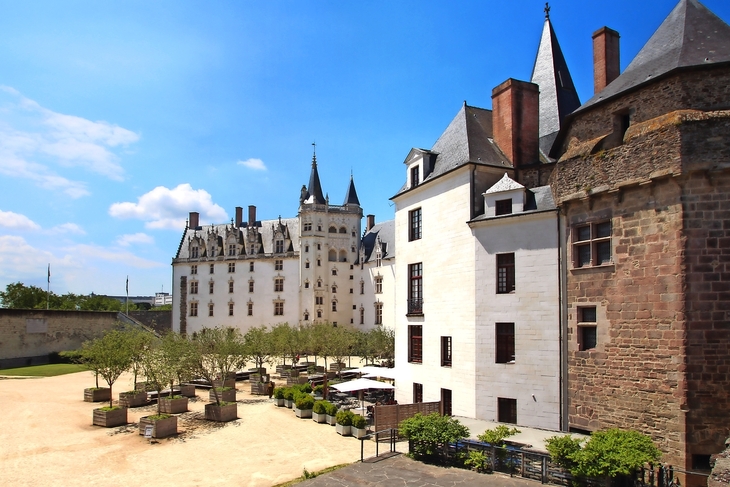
(46, 438)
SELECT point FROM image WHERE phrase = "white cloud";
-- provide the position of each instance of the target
(67, 228)
(136, 238)
(16, 221)
(255, 164)
(18, 260)
(164, 208)
(33, 138)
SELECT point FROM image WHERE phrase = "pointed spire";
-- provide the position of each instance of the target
(314, 190)
(351, 196)
(558, 96)
(691, 35)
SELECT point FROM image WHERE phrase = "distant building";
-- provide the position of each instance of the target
(162, 299)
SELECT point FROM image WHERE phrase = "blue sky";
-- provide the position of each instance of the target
(118, 118)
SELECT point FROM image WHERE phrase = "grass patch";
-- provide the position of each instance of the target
(48, 370)
(311, 475)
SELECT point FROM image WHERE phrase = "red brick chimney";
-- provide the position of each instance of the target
(515, 120)
(251, 215)
(371, 223)
(606, 62)
(239, 216)
(194, 220)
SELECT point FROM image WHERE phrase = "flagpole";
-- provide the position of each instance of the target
(127, 294)
(48, 288)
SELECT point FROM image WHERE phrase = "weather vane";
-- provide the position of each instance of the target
(547, 11)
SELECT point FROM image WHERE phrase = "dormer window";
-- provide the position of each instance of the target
(415, 176)
(503, 207)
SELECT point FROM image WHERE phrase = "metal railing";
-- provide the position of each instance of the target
(392, 438)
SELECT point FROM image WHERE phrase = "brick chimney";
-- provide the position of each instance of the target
(251, 215)
(194, 220)
(371, 223)
(239, 216)
(515, 120)
(606, 62)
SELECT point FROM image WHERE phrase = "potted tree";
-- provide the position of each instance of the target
(289, 393)
(217, 351)
(177, 352)
(319, 411)
(279, 396)
(344, 422)
(159, 369)
(331, 411)
(303, 406)
(108, 357)
(359, 426)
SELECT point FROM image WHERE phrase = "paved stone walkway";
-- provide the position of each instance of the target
(399, 470)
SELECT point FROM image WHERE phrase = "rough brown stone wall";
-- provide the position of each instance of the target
(699, 90)
(48, 331)
(160, 321)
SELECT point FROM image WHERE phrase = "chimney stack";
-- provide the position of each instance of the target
(239, 216)
(371, 223)
(194, 220)
(515, 120)
(606, 62)
(251, 215)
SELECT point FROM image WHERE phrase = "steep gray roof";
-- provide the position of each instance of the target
(558, 96)
(690, 36)
(351, 196)
(385, 233)
(536, 200)
(467, 139)
(314, 190)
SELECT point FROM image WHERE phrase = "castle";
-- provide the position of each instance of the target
(551, 264)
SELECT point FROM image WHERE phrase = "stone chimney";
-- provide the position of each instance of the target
(606, 62)
(515, 120)
(251, 215)
(239, 216)
(371, 223)
(194, 220)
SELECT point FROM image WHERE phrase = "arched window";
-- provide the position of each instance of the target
(333, 230)
(332, 255)
(343, 230)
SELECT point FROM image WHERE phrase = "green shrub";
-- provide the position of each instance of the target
(496, 436)
(476, 460)
(157, 417)
(279, 393)
(428, 432)
(110, 408)
(304, 401)
(306, 388)
(344, 417)
(320, 407)
(319, 389)
(289, 393)
(224, 389)
(359, 422)
(331, 409)
(562, 450)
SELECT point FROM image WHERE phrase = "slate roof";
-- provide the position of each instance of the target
(467, 139)
(690, 36)
(558, 96)
(536, 200)
(504, 184)
(351, 196)
(386, 232)
(314, 190)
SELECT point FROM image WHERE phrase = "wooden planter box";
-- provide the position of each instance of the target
(110, 419)
(319, 418)
(225, 383)
(343, 430)
(331, 420)
(161, 428)
(226, 396)
(358, 432)
(259, 388)
(133, 399)
(302, 413)
(187, 390)
(101, 394)
(143, 386)
(229, 412)
(173, 406)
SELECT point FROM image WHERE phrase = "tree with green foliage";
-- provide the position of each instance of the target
(377, 344)
(159, 368)
(258, 345)
(216, 352)
(607, 454)
(429, 433)
(286, 341)
(108, 356)
(339, 343)
(496, 436)
(139, 341)
(19, 296)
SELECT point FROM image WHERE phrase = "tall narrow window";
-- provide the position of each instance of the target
(592, 244)
(414, 231)
(210, 309)
(230, 286)
(231, 267)
(378, 313)
(279, 284)
(250, 267)
(193, 287)
(417, 392)
(415, 343)
(278, 308)
(505, 340)
(446, 403)
(212, 268)
(415, 179)
(362, 287)
(506, 410)
(334, 305)
(587, 329)
(193, 309)
(250, 286)
(445, 351)
(362, 316)
(231, 249)
(250, 309)
(505, 273)
(193, 269)
(415, 289)
(279, 246)
(194, 253)
(211, 285)
(278, 265)
(379, 285)
(230, 309)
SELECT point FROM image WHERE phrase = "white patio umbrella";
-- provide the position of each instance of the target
(361, 385)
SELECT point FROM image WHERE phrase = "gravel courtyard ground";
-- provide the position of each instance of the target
(47, 438)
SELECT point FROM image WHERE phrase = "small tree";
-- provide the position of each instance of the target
(258, 345)
(215, 352)
(429, 433)
(496, 436)
(108, 357)
(139, 341)
(159, 368)
(607, 454)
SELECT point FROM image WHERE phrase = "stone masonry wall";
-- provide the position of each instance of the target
(28, 336)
